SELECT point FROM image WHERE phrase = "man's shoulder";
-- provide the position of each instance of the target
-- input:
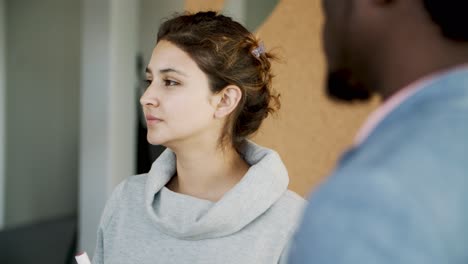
(429, 126)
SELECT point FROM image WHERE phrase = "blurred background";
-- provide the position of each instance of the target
(71, 75)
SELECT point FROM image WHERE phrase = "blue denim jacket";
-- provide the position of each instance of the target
(402, 195)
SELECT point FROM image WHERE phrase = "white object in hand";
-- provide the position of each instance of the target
(82, 258)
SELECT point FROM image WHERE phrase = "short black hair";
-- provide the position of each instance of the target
(451, 16)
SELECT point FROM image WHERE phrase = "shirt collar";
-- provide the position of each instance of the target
(395, 100)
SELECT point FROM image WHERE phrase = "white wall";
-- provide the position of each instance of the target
(152, 13)
(236, 9)
(2, 112)
(42, 66)
(257, 11)
(114, 31)
(108, 106)
(251, 14)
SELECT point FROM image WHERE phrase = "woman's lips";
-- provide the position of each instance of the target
(151, 120)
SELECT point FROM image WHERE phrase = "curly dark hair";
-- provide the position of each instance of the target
(222, 48)
(451, 16)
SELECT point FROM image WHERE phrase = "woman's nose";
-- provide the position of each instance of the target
(149, 97)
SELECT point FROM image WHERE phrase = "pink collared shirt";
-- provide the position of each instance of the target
(394, 101)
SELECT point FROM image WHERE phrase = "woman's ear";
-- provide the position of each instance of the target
(228, 99)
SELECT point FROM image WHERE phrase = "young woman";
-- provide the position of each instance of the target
(213, 196)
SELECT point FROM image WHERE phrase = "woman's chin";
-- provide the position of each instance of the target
(155, 140)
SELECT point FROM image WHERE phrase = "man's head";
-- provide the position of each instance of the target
(378, 46)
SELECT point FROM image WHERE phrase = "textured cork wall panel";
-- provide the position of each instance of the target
(310, 132)
(203, 5)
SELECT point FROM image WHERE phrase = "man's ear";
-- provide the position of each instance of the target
(227, 100)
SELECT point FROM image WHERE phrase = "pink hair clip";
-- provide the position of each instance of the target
(259, 50)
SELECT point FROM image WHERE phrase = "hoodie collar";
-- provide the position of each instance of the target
(190, 218)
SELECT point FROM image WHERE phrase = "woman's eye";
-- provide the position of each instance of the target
(148, 82)
(170, 82)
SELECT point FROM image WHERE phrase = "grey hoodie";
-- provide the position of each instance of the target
(144, 222)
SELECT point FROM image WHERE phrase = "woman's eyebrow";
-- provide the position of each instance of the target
(167, 70)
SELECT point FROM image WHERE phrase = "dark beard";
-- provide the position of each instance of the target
(340, 86)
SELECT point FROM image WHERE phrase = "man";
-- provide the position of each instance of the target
(400, 195)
